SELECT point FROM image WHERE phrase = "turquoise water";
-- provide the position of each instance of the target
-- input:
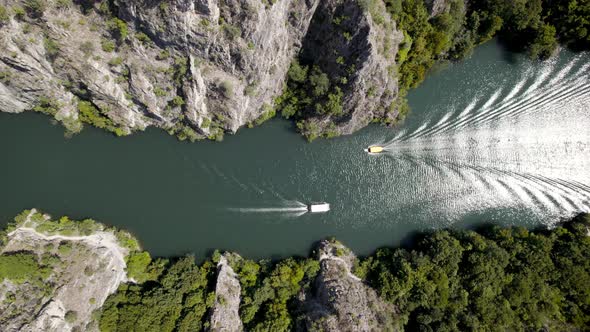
(495, 138)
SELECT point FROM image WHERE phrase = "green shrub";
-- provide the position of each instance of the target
(163, 55)
(51, 47)
(226, 88)
(71, 316)
(180, 69)
(176, 300)
(544, 43)
(159, 92)
(177, 101)
(107, 45)
(206, 123)
(143, 38)
(216, 135)
(118, 28)
(35, 8)
(4, 16)
(319, 81)
(91, 115)
(19, 267)
(116, 61)
(333, 105)
(233, 32)
(137, 264)
(47, 106)
(63, 4)
(64, 248)
(268, 113)
(297, 73)
(87, 48)
(126, 240)
(19, 12)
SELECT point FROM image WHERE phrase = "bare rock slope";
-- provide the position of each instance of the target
(341, 301)
(75, 275)
(225, 315)
(195, 68)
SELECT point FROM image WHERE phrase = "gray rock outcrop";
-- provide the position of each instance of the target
(225, 315)
(84, 271)
(436, 7)
(195, 68)
(341, 301)
(356, 42)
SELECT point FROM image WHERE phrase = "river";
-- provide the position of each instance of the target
(495, 138)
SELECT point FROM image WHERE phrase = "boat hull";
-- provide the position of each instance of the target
(318, 207)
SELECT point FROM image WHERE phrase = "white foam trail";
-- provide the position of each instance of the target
(422, 127)
(546, 100)
(400, 134)
(463, 120)
(491, 101)
(269, 210)
(487, 111)
(520, 103)
(442, 121)
(509, 102)
(469, 108)
(517, 88)
(541, 77)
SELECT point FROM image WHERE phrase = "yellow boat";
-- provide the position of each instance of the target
(375, 149)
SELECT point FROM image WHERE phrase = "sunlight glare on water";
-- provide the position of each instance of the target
(525, 146)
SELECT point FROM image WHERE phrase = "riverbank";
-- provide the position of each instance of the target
(532, 280)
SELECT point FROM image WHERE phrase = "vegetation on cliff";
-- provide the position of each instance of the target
(496, 278)
(127, 65)
(179, 293)
(44, 262)
(534, 26)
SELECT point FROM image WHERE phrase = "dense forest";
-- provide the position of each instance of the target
(532, 26)
(491, 279)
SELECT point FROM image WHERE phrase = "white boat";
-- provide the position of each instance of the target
(318, 207)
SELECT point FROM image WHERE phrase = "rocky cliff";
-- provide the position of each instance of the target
(225, 315)
(341, 301)
(59, 279)
(195, 68)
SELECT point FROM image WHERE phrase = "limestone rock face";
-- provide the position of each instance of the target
(358, 44)
(225, 315)
(78, 282)
(436, 7)
(196, 68)
(341, 301)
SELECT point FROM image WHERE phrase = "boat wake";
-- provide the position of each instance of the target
(293, 207)
(520, 148)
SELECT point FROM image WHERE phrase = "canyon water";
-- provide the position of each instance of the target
(496, 138)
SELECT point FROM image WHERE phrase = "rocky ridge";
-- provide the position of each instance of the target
(81, 272)
(195, 68)
(225, 315)
(341, 301)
